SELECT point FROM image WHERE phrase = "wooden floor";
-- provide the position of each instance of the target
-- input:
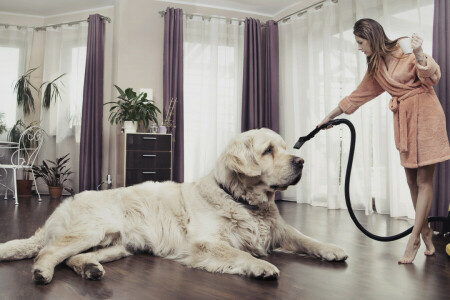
(371, 272)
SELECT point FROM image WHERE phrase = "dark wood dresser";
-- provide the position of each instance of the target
(147, 156)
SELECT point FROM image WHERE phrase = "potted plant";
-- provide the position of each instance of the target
(54, 174)
(132, 108)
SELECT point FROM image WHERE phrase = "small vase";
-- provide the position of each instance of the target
(154, 128)
(162, 129)
(55, 191)
(130, 126)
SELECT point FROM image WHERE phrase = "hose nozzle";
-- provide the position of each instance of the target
(306, 138)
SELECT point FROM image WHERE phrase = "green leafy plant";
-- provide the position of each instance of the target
(2, 123)
(54, 174)
(17, 129)
(23, 88)
(51, 91)
(132, 107)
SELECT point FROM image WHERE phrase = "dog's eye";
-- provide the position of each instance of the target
(269, 150)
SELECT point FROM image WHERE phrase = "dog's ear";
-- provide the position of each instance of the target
(239, 158)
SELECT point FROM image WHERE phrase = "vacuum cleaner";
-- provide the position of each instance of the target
(304, 139)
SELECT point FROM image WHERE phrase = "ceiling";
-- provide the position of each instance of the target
(45, 8)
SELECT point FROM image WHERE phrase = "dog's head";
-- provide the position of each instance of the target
(256, 164)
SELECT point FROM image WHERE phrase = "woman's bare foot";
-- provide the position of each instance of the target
(410, 252)
(427, 237)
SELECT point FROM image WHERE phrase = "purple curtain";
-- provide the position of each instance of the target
(260, 106)
(260, 102)
(441, 50)
(92, 117)
(173, 84)
(252, 97)
(271, 82)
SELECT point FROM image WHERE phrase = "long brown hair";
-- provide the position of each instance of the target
(372, 31)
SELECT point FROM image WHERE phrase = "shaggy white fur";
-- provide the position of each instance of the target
(221, 223)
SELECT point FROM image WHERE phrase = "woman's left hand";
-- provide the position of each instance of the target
(416, 44)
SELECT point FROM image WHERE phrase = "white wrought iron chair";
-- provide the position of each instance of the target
(6, 149)
(24, 156)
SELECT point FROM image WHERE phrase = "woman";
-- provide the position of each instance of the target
(419, 120)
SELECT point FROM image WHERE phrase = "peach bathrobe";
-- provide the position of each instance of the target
(419, 120)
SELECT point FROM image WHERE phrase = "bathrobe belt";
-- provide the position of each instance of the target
(397, 106)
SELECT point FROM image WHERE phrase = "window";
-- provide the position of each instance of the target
(9, 64)
(78, 63)
(213, 57)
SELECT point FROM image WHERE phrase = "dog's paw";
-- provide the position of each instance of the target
(333, 253)
(42, 276)
(263, 270)
(93, 271)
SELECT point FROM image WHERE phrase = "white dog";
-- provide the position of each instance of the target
(221, 223)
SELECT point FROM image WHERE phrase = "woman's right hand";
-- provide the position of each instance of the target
(324, 121)
(333, 114)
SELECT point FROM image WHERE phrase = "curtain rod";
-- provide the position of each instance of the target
(303, 10)
(14, 25)
(163, 12)
(38, 28)
(69, 23)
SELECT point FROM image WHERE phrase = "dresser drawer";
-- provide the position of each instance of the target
(135, 176)
(148, 159)
(155, 142)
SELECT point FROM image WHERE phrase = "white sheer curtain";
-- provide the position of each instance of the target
(319, 65)
(15, 49)
(65, 53)
(213, 62)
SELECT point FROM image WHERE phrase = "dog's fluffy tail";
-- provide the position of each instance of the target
(23, 248)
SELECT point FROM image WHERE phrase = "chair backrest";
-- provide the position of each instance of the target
(30, 142)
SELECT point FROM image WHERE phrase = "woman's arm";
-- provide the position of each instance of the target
(427, 69)
(367, 90)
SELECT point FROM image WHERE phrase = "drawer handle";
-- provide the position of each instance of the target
(149, 138)
(149, 155)
(148, 172)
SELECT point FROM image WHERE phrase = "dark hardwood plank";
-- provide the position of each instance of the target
(371, 272)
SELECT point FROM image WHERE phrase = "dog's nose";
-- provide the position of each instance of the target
(298, 161)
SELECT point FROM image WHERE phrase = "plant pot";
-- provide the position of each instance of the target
(55, 191)
(24, 187)
(130, 126)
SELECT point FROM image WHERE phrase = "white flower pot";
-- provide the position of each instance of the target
(130, 126)
(162, 129)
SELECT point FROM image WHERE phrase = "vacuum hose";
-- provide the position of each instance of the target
(304, 139)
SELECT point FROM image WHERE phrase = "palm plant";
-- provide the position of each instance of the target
(51, 91)
(132, 107)
(55, 174)
(23, 88)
